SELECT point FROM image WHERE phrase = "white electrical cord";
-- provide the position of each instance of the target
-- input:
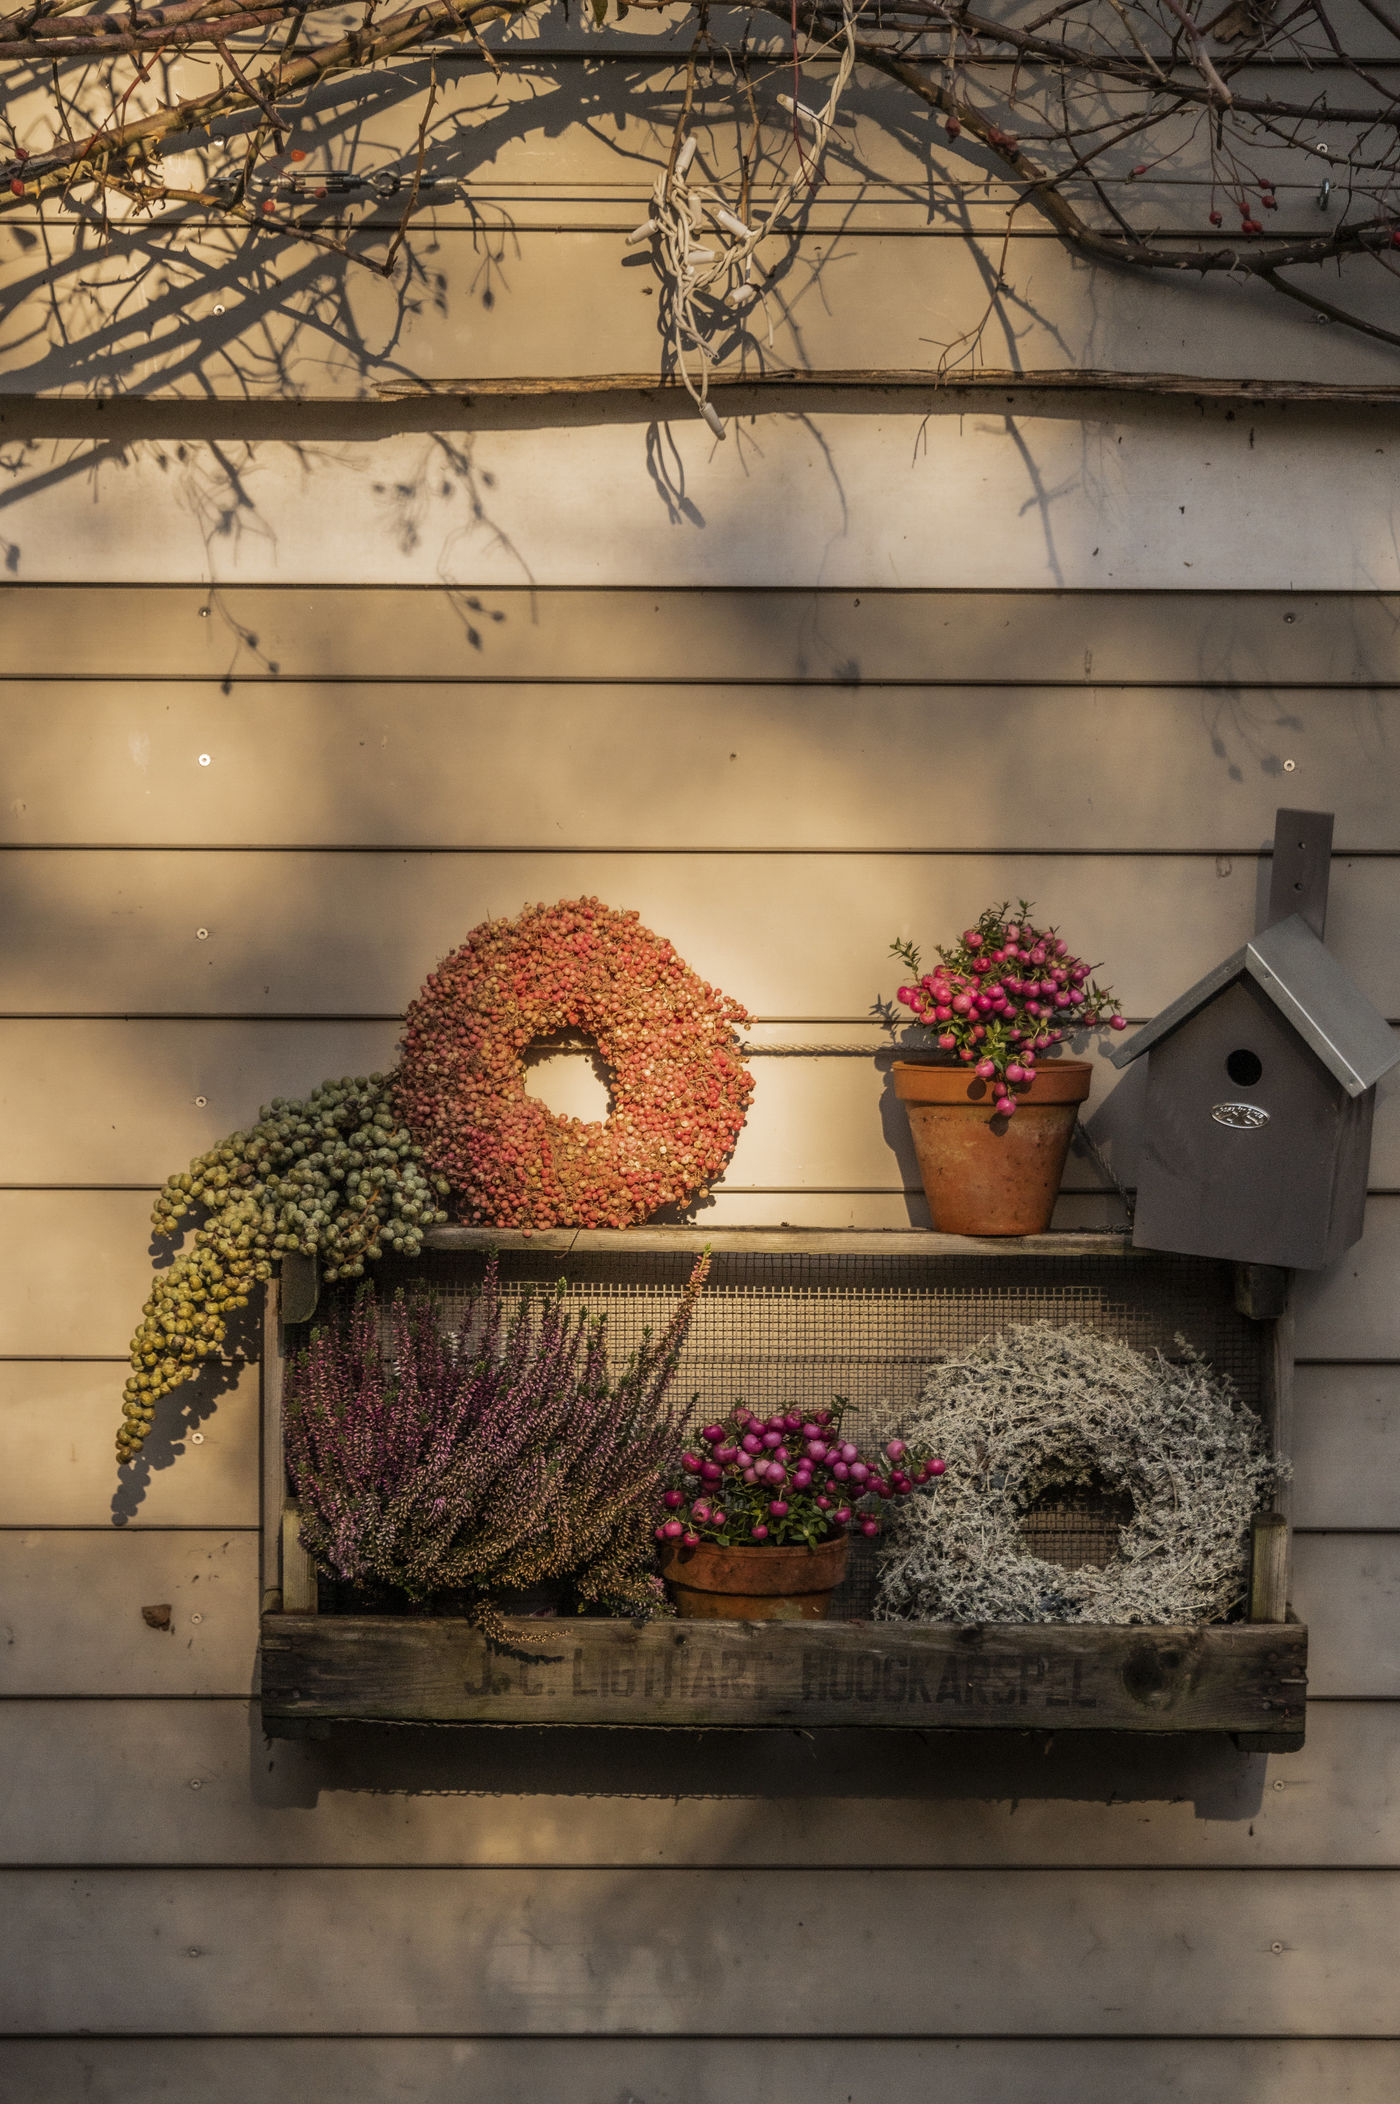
(697, 257)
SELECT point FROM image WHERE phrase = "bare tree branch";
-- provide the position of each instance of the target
(1056, 105)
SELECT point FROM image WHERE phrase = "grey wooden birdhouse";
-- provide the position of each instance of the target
(1261, 1083)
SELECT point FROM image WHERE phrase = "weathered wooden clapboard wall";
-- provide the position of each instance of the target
(293, 694)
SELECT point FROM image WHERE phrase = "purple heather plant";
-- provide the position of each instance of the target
(489, 1458)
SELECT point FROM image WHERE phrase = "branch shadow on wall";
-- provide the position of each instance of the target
(193, 304)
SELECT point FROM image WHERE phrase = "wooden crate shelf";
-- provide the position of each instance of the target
(1245, 1678)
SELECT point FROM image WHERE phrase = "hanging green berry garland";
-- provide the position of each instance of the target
(337, 1176)
(343, 1177)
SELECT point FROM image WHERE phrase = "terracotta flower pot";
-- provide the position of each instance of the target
(984, 1174)
(713, 1584)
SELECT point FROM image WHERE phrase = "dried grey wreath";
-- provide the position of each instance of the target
(1043, 1407)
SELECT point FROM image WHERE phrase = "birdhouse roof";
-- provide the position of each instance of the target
(1309, 989)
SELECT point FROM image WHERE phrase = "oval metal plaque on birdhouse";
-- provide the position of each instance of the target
(1241, 1117)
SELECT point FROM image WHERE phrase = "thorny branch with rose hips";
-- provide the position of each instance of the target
(1098, 116)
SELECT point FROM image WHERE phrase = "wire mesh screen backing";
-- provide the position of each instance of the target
(1077, 1526)
(792, 1331)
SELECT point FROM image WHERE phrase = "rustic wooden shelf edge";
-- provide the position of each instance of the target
(1246, 1679)
(797, 1241)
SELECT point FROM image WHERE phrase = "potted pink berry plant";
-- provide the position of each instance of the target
(757, 1523)
(992, 1120)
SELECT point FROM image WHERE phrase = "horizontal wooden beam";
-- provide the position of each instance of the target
(1022, 1677)
(772, 1241)
(984, 380)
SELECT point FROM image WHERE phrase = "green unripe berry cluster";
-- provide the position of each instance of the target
(337, 1176)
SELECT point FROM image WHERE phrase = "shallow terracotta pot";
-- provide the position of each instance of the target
(986, 1175)
(712, 1584)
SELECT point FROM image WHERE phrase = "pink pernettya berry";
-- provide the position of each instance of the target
(825, 1484)
(996, 1024)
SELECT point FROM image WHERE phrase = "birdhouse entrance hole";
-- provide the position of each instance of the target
(1244, 1068)
(1074, 1524)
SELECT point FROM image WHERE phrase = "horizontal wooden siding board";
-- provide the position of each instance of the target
(354, 763)
(301, 933)
(73, 1612)
(507, 633)
(1351, 1311)
(1346, 1587)
(1223, 1953)
(869, 493)
(58, 1423)
(1344, 1442)
(558, 302)
(175, 1782)
(577, 140)
(699, 2071)
(130, 1103)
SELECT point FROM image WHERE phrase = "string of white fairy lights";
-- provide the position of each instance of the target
(706, 251)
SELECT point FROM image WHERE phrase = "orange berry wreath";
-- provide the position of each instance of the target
(679, 1088)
